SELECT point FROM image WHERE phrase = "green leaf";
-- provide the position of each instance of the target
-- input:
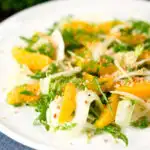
(25, 92)
(41, 106)
(115, 131)
(140, 26)
(138, 50)
(65, 126)
(38, 75)
(141, 122)
(121, 47)
(98, 85)
(52, 68)
(108, 60)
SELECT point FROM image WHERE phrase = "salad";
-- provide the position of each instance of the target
(84, 77)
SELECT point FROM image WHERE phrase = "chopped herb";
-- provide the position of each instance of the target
(114, 130)
(41, 106)
(70, 41)
(38, 75)
(140, 27)
(97, 84)
(17, 105)
(57, 85)
(30, 41)
(46, 49)
(138, 50)
(147, 44)
(66, 126)
(107, 60)
(91, 67)
(53, 28)
(25, 92)
(52, 68)
(126, 31)
(141, 122)
(121, 47)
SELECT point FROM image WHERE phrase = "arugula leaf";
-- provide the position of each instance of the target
(141, 123)
(114, 130)
(26, 92)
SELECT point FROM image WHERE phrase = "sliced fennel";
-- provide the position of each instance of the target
(53, 112)
(83, 102)
(124, 112)
(134, 73)
(60, 45)
(121, 69)
(139, 63)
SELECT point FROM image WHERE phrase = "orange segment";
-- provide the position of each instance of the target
(77, 24)
(68, 104)
(130, 39)
(145, 55)
(15, 97)
(108, 115)
(141, 90)
(34, 61)
(106, 83)
(107, 70)
(107, 26)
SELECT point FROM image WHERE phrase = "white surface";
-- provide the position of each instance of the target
(17, 123)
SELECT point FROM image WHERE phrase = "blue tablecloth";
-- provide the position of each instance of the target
(8, 144)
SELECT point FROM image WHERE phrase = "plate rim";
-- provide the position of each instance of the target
(5, 130)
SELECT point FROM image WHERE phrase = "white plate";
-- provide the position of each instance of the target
(18, 122)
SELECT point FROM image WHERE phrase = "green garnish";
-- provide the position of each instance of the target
(97, 84)
(141, 123)
(121, 47)
(108, 60)
(65, 126)
(140, 27)
(45, 48)
(52, 68)
(114, 130)
(38, 75)
(41, 106)
(26, 92)
(138, 50)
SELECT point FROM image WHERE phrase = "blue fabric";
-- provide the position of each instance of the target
(8, 144)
